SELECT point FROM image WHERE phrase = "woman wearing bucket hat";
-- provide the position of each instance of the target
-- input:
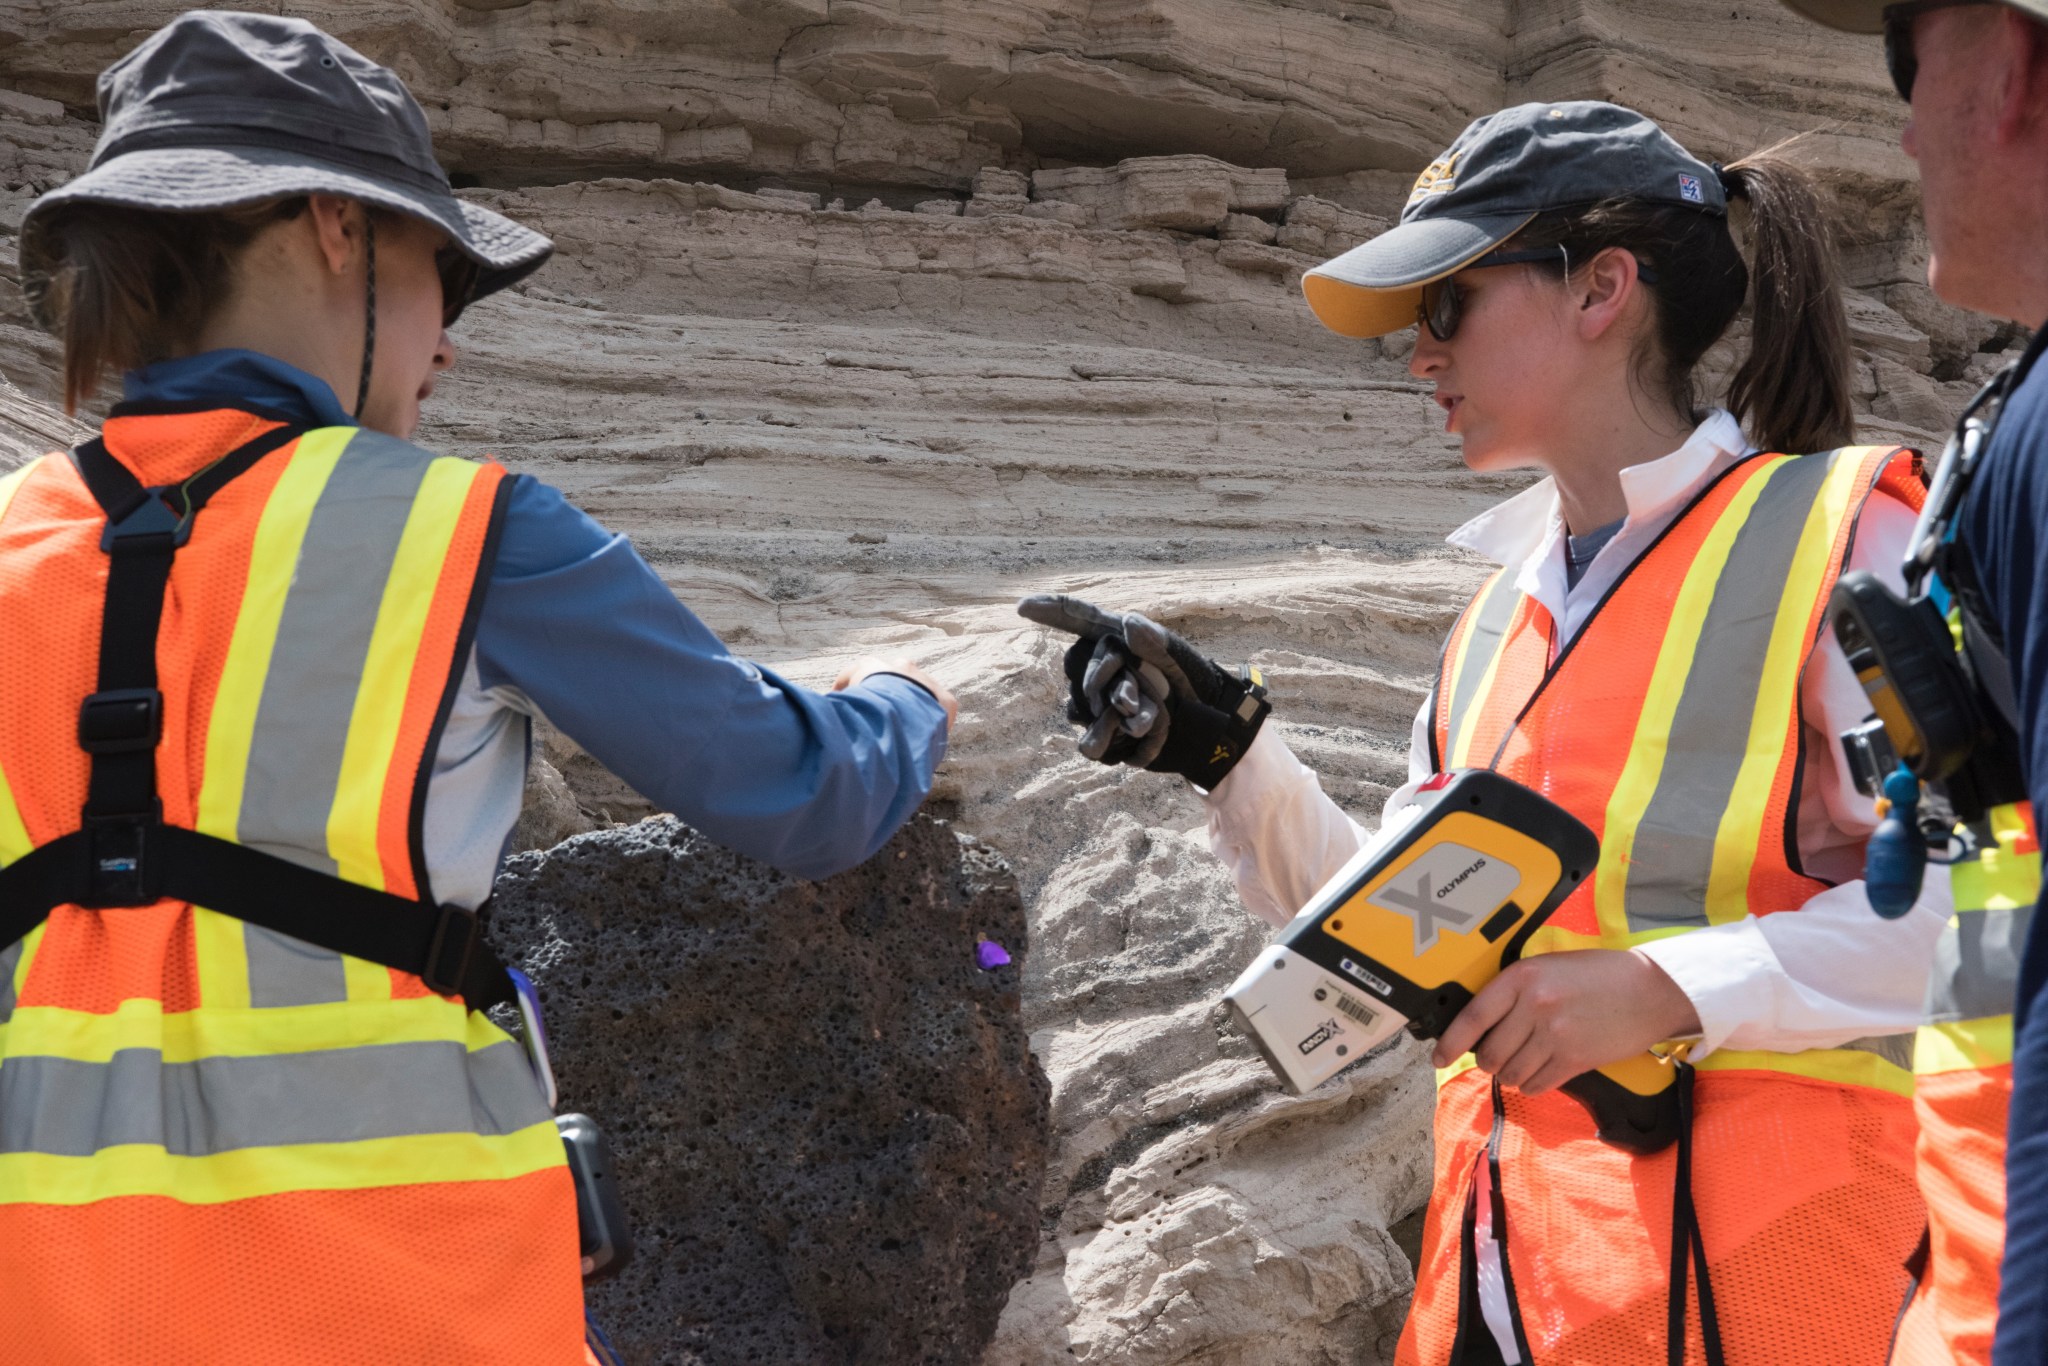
(269, 670)
(1648, 655)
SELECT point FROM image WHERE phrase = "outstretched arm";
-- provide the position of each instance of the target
(577, 628)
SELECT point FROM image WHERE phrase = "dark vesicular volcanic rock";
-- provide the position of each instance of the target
(827, 1121)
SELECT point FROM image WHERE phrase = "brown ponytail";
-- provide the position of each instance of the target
(124, 287)
(1793, 387)
(1791, 391)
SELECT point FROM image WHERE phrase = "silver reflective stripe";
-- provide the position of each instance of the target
(284, 971)
(1896, 1049)
(1977, 965)
(1673, 855)
(323, 642)
(1489, 623)
(10, 959)
(215, 1105)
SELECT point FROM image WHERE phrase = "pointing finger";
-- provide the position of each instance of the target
(1063, 613)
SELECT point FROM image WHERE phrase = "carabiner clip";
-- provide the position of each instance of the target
(535, 1034)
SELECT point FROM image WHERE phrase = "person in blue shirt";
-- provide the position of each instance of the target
(575, 626)
(307, 1135)
(1976, 75)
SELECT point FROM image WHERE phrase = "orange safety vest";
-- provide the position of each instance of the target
(1671, 725)
(1962, 1064)
(217, 1142)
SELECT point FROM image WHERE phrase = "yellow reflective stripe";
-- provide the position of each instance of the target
(14, 840)
(1977, 888)
(273, 561)
(1841, 1066)
(30, 942)
(1645, 763)
(387, 672)
(1963, 1045)
(364, 980)
(11, 482)
(1740, 836)
(416, 1160)
(190, 1035)
(1456, 665)
(1999, 878)
(1461, 751)
(1465, 1064)
(222, 954)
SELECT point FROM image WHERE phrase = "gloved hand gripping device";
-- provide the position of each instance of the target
(1409, 931)
(1147, 697)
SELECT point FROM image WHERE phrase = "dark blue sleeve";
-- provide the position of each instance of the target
(812, 783)
(2004, 521)
(2004, 525)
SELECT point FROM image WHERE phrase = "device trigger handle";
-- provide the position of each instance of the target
(1634, 1102)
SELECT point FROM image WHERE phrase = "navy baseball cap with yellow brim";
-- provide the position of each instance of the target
(1867, 16)
(1502, 172)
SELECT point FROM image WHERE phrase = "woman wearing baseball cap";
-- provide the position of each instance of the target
(269, 671)
(1649, 654)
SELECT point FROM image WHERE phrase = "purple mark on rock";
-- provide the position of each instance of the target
(989, 954)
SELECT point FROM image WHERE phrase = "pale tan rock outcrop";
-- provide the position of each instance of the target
(871, 316)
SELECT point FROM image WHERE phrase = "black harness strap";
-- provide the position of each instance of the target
(443, 945)
(1686, 1245)
(124, 855)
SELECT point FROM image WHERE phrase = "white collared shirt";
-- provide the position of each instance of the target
(1832, 973)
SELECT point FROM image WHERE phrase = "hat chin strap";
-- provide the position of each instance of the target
(369, 311)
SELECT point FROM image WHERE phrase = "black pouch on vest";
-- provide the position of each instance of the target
(607, 1242)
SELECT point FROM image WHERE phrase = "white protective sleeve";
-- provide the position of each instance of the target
(1829, 974)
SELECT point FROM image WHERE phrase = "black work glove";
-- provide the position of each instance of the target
(1147, 697)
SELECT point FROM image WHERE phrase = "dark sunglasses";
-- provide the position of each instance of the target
(459, 275)
(1443, 301)
(1899, 58)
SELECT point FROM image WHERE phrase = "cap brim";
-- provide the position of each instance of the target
(1376, 288)
(1850, 16)
(196, 179)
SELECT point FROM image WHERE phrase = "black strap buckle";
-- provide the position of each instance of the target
(148, 525)
(119, 869)
(457, 932)
(121, 721)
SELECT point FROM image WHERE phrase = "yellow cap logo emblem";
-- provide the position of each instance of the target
(1441, 177)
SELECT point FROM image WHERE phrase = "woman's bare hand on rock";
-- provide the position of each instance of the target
(874, 664)
(1547, 1019)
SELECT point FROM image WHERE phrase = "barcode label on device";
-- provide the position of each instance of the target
(1363, 1014)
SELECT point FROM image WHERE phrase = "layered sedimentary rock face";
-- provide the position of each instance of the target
(872, 315)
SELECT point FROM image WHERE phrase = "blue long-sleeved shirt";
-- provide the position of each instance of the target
(2005, 525)
(575, 623)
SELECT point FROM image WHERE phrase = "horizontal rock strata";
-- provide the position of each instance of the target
(871, 316)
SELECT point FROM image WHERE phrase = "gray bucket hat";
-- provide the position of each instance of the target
(1867, 16)
(1502, 172)
(217, 109)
